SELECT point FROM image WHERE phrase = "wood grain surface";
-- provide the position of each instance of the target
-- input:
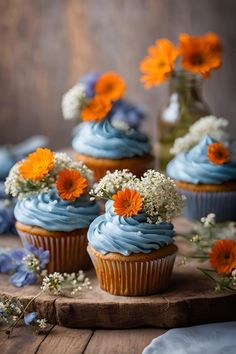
(190, 300)
(47, 45)
(60, 340)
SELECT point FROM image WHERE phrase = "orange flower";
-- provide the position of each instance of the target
(223, 256)
(217, 153)
(200, 54)
(97, 109)
(70, 184)
(127, 203)
(110, 85)
(159, 64)
(37, 164)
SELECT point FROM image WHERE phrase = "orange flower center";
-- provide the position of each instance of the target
(217, 153)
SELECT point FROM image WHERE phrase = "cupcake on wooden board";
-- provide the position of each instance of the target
(54, 210)
(108, 138)
(132, 245)
(204, 170)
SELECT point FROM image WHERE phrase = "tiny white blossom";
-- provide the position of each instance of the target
(209, 220)
(53, 283)
(120, 124)
(73, 101)
(42, 323)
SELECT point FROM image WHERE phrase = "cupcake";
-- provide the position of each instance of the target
(54, 210)
(108, 138)
(206, 176)
(131, 245)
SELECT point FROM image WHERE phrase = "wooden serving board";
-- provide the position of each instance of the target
(190, 300)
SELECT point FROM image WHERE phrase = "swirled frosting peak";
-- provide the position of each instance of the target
(112, 233)
(48, 211)
(102, 140)
(193, 166)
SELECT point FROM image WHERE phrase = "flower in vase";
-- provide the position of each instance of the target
(159, 64)
(200, 54)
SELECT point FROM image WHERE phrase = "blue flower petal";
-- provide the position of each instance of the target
(30, 317)
(22, 277)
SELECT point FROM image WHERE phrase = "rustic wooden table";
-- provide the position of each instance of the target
(61, 340)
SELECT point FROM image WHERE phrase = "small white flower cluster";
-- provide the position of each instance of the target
(120, 125)
(161, 201)
(209, 125)
(31, 262)
(53, 283)
(59, 284)
(17, 186)
(42, 323)
(112, 182)
(73, 101)
(209, 220)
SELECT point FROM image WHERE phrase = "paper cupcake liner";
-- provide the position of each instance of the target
(67, 253)
(200, 204)
(137, 278)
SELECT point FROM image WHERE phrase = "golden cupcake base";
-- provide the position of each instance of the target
(134, 275)
(138, 165)
(223, 187)
(67, 250)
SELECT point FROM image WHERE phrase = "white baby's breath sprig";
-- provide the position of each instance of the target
(53, 283)
(161, 201)
(112, 182)
(209, 220)
(73, 101)
(210, 125)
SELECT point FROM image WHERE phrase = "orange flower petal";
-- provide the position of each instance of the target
(111, 86)
(97, 109)
(70, 184)
(223, 256)
(127, 203)
(37, 164)
(159, 64)
(217, 153)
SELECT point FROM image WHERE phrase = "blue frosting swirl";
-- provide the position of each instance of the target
(193, 166)
(102, 140)
(112, 233)
(48, 211)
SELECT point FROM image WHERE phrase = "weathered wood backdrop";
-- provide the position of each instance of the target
(47, 45)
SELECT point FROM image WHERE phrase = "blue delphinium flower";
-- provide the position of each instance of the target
(89, 81)
(30, 318)
(23, 277)
(128, 112)
(25, 265)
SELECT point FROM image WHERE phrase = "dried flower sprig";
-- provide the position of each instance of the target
(212, 245)
(160, 199)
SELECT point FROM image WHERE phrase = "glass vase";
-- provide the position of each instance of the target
(184, 106)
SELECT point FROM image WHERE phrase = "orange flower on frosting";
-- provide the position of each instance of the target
(70, 184)
(127, 202)
(37, 164)
(97, 109)
(223, 256)
(200, 54)
(217, 153)
(159, 64)
(110, 85)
